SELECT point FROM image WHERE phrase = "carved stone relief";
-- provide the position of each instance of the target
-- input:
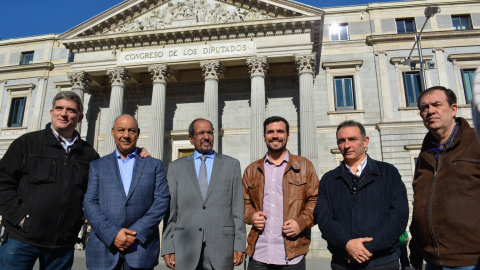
(186, 13)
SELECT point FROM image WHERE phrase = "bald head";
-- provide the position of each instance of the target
(125, 131)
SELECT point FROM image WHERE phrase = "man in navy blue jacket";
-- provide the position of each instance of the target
(362, 206)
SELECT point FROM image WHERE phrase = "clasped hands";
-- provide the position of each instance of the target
(125, 238)
(290, 227)
(357, 253)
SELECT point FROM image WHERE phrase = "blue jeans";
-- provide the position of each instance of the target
(16, 255)
(431, 266)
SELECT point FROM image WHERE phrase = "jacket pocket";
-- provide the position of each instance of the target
(179, 229)
(227, 230)
(81, 174)
(41, 169)
(296, 188)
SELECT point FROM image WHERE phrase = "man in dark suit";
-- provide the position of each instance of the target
(205, 229)
(127, 197)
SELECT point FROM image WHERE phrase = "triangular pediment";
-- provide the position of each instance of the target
(145, 15)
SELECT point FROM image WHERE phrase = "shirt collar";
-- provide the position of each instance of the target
(197, 154)
(286, 158)
(129, 156)
(69, 141)
(441, 147)
(360, 167)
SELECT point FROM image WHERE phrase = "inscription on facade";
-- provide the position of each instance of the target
(207, 51)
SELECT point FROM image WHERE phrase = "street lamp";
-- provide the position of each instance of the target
(429, 12)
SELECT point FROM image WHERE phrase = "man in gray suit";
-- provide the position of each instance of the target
(205, 229)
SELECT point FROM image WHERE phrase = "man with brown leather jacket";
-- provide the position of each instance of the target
(446, 186)
(280, 192)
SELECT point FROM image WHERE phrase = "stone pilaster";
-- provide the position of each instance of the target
(258, 68)
(79, 81)
(308, 128)
(118, 77)
(211, 70)
(160, 74)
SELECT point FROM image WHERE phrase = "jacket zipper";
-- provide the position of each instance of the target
(430, 201)
(62, 217)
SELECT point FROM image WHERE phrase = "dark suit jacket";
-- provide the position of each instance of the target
(108, 209)
(218, 218)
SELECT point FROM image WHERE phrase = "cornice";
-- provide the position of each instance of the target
(198, 33)
(342, 64)
(464, 57)
(415, 59)
(23, 40)
(19, 87)
(449, 34)
(38, 66)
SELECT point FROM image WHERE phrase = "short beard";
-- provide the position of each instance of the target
(276, 151)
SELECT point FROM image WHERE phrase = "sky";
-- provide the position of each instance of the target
(22, 18)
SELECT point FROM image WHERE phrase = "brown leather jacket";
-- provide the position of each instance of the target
(446, 213)
(300, 190)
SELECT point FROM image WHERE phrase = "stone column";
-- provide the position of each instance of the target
(119, 76)
(258, 69)
(308, 128)
(156, 138)
(79, 81)
(211, 70)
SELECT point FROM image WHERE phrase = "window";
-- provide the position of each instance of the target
(71, 57)
(405, 25)
(17, 108)
(338, 32)
(461, 22)
(344, 99)
(467, 77)
(413, 85)
(27, 58)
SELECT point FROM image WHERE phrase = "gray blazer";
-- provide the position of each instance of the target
(219, 217)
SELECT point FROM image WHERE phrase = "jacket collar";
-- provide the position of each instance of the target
(429, 138)
(51, 140)
(371, 168)
(293, 163)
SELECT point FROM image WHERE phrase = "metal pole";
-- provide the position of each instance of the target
(420, 56)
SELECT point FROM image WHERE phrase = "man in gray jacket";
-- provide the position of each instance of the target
(205, 229)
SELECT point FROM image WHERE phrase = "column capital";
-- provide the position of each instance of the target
(160, 73)
(306, 63)
(438, 49)
(79, 80)
(377, 53)
(257, 66)
(119, 76)
(211, 69)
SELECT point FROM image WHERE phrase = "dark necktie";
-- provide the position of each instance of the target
(202, 177)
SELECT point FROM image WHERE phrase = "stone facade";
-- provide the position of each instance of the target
(236, 62)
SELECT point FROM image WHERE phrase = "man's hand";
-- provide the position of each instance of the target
(259, 220)
(357, 252)
(124, 239)
(170, 260)
(290, 228)
(237, 258)
(145, 153)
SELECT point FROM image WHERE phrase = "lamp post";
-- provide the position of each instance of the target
(429, 12)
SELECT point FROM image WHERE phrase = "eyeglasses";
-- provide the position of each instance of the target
(201, 133)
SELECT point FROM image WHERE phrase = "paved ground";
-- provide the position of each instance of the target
(317, 264)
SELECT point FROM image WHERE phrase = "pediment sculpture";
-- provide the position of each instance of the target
(179, 13)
